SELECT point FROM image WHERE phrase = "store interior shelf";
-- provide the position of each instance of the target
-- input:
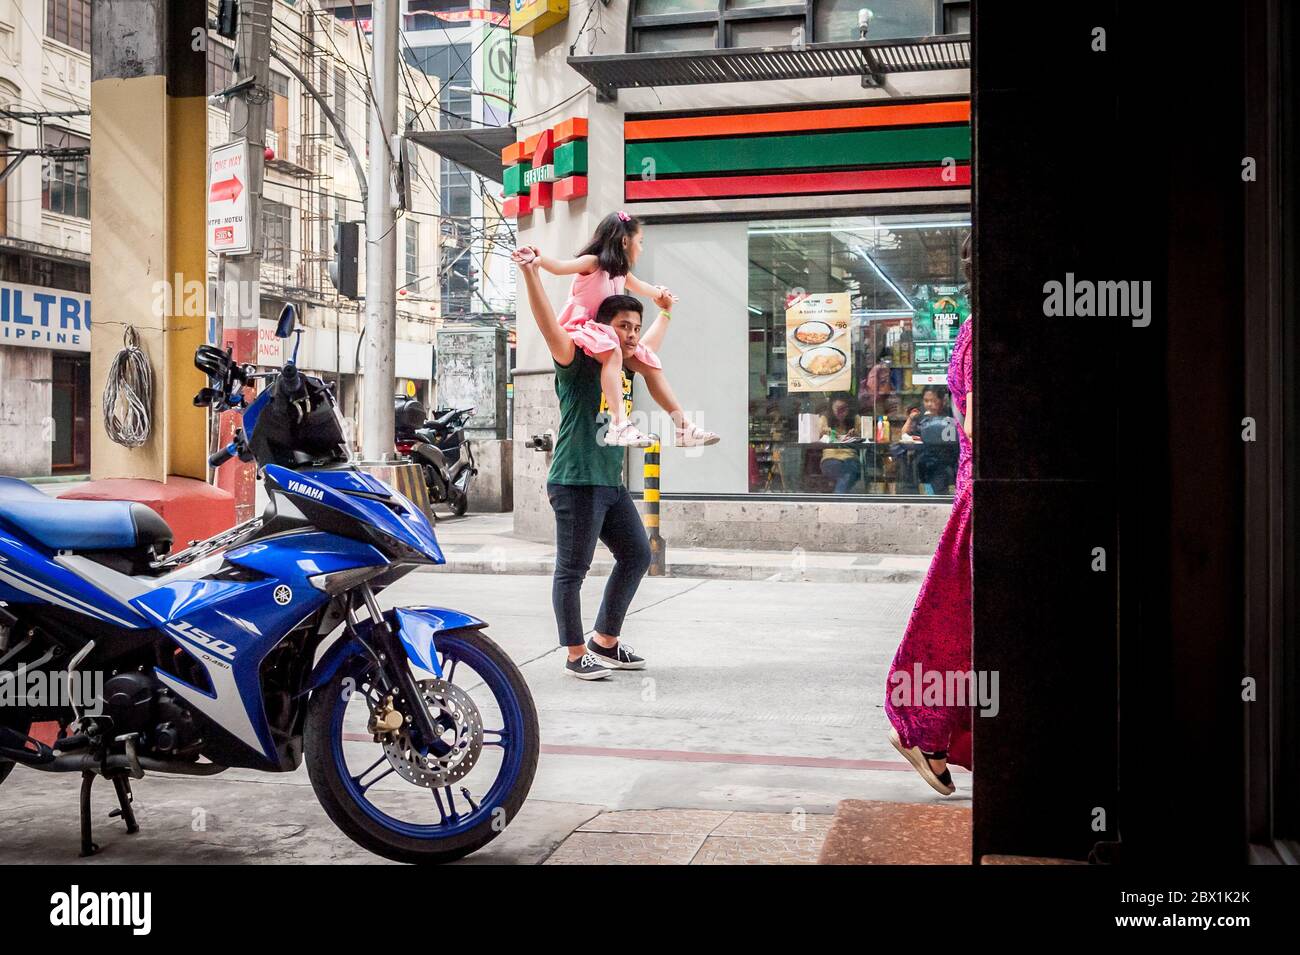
(871, 59)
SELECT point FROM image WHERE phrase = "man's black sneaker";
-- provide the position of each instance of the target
(618, 657)
(586, 667)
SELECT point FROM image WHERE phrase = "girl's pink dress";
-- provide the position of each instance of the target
(579, 316)
(938, 635)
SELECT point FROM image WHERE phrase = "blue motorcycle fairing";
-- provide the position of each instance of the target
(312, 552)
(254, 411)
(28, 576)
(418, 629)
(350, 479)
(229, 627)
(411, 527)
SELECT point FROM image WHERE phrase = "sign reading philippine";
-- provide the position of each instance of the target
(44, 317)
(228, 199)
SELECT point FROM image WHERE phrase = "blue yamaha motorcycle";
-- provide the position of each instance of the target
(419, 733)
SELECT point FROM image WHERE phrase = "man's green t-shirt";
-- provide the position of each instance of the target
(579, 456)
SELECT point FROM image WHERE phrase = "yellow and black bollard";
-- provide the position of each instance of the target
(650, 509)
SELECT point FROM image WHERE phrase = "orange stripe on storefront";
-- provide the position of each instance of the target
(799, 120)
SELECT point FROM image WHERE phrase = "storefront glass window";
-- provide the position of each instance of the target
(835, 21)
(851, 326)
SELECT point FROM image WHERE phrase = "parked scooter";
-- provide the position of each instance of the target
(438, 445)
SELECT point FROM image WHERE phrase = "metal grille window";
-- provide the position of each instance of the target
(221, 70)
(68, 21)
(341, 97)
(277, 107)
(65, 178)
(661, 26)
(275, 232)
(412, 255)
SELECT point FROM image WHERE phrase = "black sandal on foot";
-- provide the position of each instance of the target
(920, 761)
(944, 777)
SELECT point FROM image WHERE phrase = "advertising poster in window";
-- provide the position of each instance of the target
(934, 331)
(820, 353)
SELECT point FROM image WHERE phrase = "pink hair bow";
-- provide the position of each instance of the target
(624, 216)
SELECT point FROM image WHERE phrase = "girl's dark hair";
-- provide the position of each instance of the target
(848, 415)
(607, 243)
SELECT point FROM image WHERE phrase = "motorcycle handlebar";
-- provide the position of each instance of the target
(218, 458)
(291, 380)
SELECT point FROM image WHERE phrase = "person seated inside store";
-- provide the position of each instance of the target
(839, 423)
(879, 382)
(936, 459)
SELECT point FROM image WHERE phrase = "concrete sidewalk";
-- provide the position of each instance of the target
(486, 544)
(760, 712)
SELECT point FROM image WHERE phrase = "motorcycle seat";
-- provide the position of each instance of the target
(81, 525)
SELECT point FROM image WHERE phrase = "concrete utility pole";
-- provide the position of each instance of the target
(149, 129)
(241, 286)
(381, 241)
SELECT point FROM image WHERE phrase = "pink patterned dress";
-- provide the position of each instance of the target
(938, 635)
(578, 317)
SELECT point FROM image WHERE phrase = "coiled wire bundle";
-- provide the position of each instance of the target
(128, 394)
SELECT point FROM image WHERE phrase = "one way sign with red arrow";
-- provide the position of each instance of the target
(228, 199)
(227, 190)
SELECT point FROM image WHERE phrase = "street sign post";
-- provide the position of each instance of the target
(228, 199)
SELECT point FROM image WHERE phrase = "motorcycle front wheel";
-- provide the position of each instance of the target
(404, 805)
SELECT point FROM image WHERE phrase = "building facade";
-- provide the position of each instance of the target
(310, 186)
(45, 308)
(811, 220)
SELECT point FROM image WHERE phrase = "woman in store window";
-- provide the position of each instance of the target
(936, 459)
(938, 637)
(839, 423)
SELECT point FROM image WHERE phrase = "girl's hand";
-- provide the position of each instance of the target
(665, 299)
(526, 255)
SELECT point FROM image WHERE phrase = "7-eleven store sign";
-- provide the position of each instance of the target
(549, 165)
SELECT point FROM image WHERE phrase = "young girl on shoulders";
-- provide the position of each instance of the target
(604, 268)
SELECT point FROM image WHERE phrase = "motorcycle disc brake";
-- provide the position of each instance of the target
(453, 711)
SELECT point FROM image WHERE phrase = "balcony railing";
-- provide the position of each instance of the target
(873, 60)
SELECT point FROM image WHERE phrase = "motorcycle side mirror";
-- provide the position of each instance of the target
(287, 322)
(212, 361)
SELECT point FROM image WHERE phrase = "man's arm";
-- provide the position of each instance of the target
(653, 338)
(557, 339)
(654, 335)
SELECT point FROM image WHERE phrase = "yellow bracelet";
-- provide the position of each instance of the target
(664, 313)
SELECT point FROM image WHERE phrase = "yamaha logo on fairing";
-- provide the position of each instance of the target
(297, 487)
(282, 595)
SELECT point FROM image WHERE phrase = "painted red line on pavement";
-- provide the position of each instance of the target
(690, 756)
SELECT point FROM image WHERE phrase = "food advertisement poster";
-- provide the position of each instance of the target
(820, 354)
(934, 331)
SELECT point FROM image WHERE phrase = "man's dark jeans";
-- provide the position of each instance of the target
(584, 514)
